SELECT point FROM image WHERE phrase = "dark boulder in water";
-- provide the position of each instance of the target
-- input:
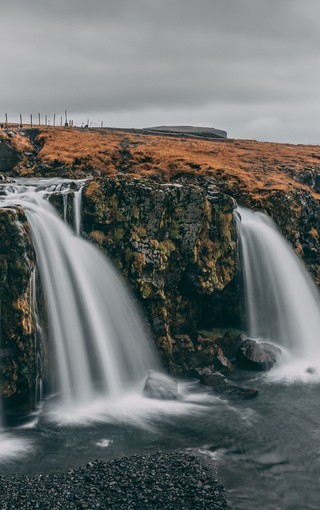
(254, 355)
(221, 385)
(160, 387)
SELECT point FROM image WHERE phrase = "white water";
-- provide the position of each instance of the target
(77, 204)
(99, 345)
(282, 301)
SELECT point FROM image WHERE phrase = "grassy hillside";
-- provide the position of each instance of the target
(249, 166)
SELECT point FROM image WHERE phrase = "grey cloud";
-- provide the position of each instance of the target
(122, 56)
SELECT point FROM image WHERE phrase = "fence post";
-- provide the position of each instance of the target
(20, 120)
(102, 124)
(54, 119)
(31, 119)
(39, 119)
(6, 115)
(46, 120)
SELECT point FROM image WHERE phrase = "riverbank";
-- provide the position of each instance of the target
(171, 480)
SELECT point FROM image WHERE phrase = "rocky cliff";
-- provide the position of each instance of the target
(176, 245)
(18, 348)
(162, 209)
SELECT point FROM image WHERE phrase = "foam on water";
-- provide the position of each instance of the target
(133, 408)
(12, 447)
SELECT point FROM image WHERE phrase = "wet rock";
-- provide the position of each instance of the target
(221, 385)
(9, 157)
(161, 387)
(176, 245)
(17, 350)
(255, 355)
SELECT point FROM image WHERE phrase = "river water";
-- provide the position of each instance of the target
(266, 450)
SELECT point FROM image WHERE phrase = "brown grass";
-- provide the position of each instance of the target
(247, 165)
(18, 142)
(79, 148)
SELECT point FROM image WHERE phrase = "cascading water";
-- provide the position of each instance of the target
(98, 342)
(77, 203)
(282, 302)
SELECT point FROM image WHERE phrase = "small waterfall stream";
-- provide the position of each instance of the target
(282, 301)
(99, 345)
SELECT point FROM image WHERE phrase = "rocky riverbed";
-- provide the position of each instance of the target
(174, 480)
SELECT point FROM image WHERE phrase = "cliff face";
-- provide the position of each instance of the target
(17, 349)
(162, 209)
(176, 244)
(9, 157)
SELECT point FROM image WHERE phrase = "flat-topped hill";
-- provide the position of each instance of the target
(207, 132)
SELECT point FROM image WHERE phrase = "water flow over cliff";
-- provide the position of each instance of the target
(99, 346)
(282, 302)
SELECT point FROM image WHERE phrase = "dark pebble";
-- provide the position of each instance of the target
(174, 480)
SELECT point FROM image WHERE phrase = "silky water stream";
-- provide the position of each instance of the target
(266, 450)
(99, 353)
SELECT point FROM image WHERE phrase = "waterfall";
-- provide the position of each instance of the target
(39, 337)
(98, 343)
(77, 203)
(282, 301)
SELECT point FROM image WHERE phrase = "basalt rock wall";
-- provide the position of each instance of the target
(17, 347)
(176, 245)
(172, 236)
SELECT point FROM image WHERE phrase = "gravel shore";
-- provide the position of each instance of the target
(174, 480)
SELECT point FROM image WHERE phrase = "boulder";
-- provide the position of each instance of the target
(161, 387)
(221, 385)
(9, 157)
(254, 355)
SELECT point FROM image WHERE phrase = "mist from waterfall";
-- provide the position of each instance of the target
(282, 301)
(98, 342)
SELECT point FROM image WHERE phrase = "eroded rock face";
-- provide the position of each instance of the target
(172, 237)
(176, 244)
(9, 157)
(17, 352)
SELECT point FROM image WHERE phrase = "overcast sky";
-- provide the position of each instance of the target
(251, 67)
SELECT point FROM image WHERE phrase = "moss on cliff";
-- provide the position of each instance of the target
(17, 351)
(176, 244)
(163, 210)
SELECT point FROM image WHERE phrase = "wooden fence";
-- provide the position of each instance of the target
(38, 119)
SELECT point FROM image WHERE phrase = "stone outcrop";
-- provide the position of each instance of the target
(163, 212)
(9, 157)
(176, 244)
(18, 349)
